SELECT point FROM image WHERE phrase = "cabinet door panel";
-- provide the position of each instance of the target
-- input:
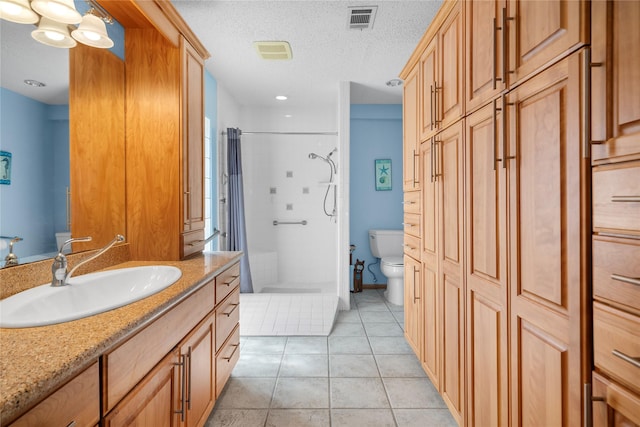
(547, 233)
(449, 168)
(452, 345)
(483, 77)
(193, 149)
(450, 80)
(412, 303)
(199, 348)
(615, 80)
(430, 357)
(542, 31)
(428, 78)
(429, 199)
(154, 401)
(411, 142)
(486, 273)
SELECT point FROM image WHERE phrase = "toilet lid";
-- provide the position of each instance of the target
(393, 260)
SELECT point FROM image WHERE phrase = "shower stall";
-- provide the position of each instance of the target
(291, 195)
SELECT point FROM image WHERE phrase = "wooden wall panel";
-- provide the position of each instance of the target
(153, 187)
(97, 146)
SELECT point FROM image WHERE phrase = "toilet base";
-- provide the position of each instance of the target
(395, 291)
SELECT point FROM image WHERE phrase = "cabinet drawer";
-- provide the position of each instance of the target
(412, 246)
(412, 224)
(227, 359)
(616, 271)
(619, 406)
(411, 201)
(616, 344)
(192, 242)
(77, 401)
(227, 317)
(616, 197)
(226, 281)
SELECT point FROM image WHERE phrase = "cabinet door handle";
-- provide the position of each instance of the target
(436, 117)
(408, 202)
(588, 398)
(416, 156)
(233, 278)
(504, 134)
(232, 310)
(635, 361)
(431, 110)
(235, 348)
(72, 424)
(493, 62)
(431, 160)
(626, 279)
(495, 132)
(415, 294)
(408, 224)
(183, 365)
(436, 159)
(190, 375)
(505, 69)
(626, 199)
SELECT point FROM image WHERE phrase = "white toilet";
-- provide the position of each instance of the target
(388, 246)
(62, 237)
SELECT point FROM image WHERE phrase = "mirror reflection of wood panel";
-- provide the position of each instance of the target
(97, 144)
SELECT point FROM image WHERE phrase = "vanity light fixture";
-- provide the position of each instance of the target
(92, 31)
(53, 33)
(54, 18)
(63, 11)
(18, 11)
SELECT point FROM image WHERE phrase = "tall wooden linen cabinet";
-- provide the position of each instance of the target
(506, 110)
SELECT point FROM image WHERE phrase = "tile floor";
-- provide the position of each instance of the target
(363, 374)
(287, 314)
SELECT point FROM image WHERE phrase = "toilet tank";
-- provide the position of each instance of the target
(385, 243)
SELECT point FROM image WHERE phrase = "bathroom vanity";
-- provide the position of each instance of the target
(168, 355)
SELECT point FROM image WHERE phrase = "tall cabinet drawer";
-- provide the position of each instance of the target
(411, 202)
(616, 197)
(227, 317)
(616, 271)
(616, 343)
(226, 282)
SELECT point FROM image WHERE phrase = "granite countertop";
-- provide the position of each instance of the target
(34, 362)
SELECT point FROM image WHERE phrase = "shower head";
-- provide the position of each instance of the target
(313, 156)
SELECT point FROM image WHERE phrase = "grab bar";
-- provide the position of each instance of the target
(303, 222)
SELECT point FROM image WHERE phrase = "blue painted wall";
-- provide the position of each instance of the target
(376, 133)
(33, 205)
(211, 112)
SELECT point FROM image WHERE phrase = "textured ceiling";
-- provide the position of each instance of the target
(325, 51)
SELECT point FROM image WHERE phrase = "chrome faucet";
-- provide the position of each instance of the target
(11, 258)
(59, 267)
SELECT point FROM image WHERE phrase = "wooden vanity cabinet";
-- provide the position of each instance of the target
(76, 403)
(171, 373)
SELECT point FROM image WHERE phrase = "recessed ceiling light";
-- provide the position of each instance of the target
(34, 83)
(288, 116)
(394, 82)
(281, 97)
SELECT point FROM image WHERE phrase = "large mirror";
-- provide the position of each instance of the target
(34, 130)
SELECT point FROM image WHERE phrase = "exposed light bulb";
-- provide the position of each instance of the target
(53, 35)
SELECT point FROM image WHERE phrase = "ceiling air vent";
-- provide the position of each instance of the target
(362, 17)
(273, 50)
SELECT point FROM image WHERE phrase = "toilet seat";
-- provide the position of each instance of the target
(393, 261)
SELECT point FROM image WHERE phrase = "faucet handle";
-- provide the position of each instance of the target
(74, 239)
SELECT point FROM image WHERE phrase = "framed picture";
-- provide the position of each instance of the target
(5, 167)
(383, 174)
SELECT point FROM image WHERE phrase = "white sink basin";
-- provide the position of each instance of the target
(84, 296)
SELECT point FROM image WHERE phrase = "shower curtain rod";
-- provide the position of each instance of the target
(285, 133)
